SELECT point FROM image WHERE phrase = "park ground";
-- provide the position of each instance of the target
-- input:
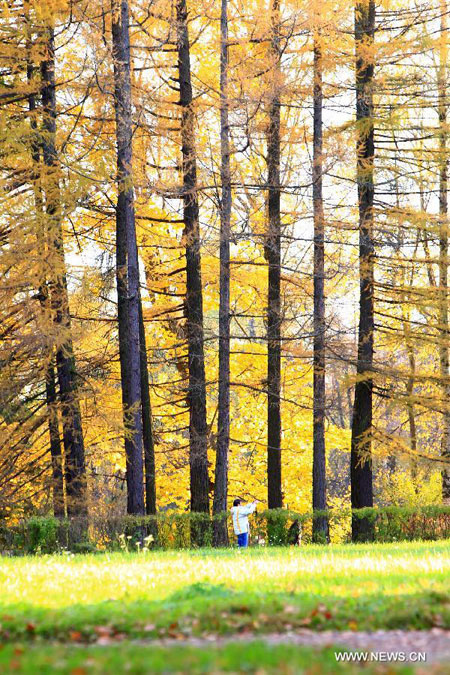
(215, 611)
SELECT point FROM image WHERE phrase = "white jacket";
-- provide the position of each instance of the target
(240, 516)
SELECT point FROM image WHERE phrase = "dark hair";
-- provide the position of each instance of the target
(236, 502)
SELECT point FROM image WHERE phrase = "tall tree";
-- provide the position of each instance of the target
(320, 529)
(223, 421)
(147, 428)
(444, 329)
(273, 256)
(127, 265)
(198, 456)
(361, 443)
(50, 383)
(75, 469)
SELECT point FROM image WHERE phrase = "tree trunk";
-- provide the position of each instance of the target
(443, 253)
(50, 385)
(75, 469)
(147, 430)
(412, 416)
(273, 257)
(223, 422)
(361, 444)
(198, 457)
(127, 267)
(55, 444)
(320, 526)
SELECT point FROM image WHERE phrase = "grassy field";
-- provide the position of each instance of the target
(109, 598)
(141, 660)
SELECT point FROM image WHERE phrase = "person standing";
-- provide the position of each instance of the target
(240, 513)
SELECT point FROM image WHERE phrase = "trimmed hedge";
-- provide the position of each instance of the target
(174, 530)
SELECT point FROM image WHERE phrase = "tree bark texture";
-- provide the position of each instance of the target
(147, 427)
(444, 358)
(320, 527)
(273, 257)
(127, 266)
(223, 421)
(361, 443)
(198, 432)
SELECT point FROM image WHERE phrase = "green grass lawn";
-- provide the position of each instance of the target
(140, 660)
(122, 596)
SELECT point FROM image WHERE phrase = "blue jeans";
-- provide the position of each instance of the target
(243, 540)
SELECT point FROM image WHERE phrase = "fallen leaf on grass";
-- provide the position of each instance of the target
(290, 609)
(103, 631)
(438, 620)
(305, 621)
(174, 632)
(105, 641)
(14, 664)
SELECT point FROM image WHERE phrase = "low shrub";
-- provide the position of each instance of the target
(41, 535)
(175, 530)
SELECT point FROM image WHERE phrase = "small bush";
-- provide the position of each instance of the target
(42, 535)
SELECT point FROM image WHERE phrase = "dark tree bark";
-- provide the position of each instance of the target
(273, 257)
(320, 526)
(127, 266)
(198, 457)
(75, 469)
(147, 430)
(361, 444)
(223, 422)
(444, 358)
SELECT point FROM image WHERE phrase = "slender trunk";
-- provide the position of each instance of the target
(127, 267)
(320, 526)
(339, 403)
(198, 456)
(50, 385)
(273, 257)
(361, 444)
(223, 422)
(147, 430)
(412, 412)
(55, 443)
(443, 253)
(75, 469)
